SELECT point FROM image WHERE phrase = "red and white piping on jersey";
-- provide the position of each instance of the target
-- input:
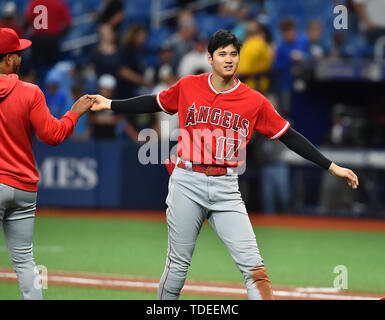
(222, 92)
(281, 132)
(160, 105)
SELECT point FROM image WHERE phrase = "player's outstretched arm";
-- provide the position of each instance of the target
(140, 104)
(299, 144)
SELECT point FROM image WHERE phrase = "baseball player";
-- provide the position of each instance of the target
(217, 114)
(23, 109)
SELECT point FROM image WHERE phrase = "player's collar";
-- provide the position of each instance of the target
(222, 92)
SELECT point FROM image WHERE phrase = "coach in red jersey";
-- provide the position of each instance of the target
(23, 109)
(217, 114)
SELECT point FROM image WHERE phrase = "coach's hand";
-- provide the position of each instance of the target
(100, 103)
(344, 173)
(82, 105)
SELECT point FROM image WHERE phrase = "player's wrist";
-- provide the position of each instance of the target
(333, 168)
(108, 104)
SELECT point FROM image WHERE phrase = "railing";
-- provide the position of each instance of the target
(78, 43)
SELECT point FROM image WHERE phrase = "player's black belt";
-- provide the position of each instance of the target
(208, 170)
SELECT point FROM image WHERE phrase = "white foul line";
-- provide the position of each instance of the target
(189, 287)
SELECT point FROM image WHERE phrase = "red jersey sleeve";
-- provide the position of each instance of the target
(168, 99)
(49, 129)
(269, 122)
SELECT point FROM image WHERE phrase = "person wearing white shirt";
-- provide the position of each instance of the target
(195, 61)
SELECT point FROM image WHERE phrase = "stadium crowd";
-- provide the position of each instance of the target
(123, 63)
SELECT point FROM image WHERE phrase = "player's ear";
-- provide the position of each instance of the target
(8, 59)
(210, 58)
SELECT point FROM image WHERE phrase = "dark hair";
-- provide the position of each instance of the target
(221, 39)
(130, 34)
(287, 24)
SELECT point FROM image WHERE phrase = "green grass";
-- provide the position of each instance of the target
(10, 291)
(308, 258)
(292, 257)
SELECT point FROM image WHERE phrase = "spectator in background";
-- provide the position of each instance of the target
(167, 79)
(46, 41)
(182, 41)
(82, 130)
(56, 99)
(135, 123)
(112, 14)
(333, 194)
(255, 59)
(67, 70)
(339, 51)
(133, 66)
(315, 48)
(371, 14)
(275, 177)
(103, 124)
(338, 132)
(105, 59)
(228, 8)
(290, 51)
(10, 18)
(274, 182)
(164, 56)
(196, 59)
(242, 16)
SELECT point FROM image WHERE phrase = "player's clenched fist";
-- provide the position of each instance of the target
(99, 103)
(344, 173)
(82, 105)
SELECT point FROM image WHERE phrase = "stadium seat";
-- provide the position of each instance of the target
(157, 37)
(208, 24)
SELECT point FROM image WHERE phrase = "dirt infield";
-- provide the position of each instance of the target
(280, 221)
(225, 290)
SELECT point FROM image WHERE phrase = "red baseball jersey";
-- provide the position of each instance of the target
(23, 109)
(215, 127)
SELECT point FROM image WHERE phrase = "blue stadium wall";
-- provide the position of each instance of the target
(98, 175)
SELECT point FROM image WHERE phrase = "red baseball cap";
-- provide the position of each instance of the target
(10, 41)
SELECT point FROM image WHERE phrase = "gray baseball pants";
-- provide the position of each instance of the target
(192, 198)
(17, 214)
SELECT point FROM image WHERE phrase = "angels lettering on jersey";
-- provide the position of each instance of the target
(220, 132)
(217, 117)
